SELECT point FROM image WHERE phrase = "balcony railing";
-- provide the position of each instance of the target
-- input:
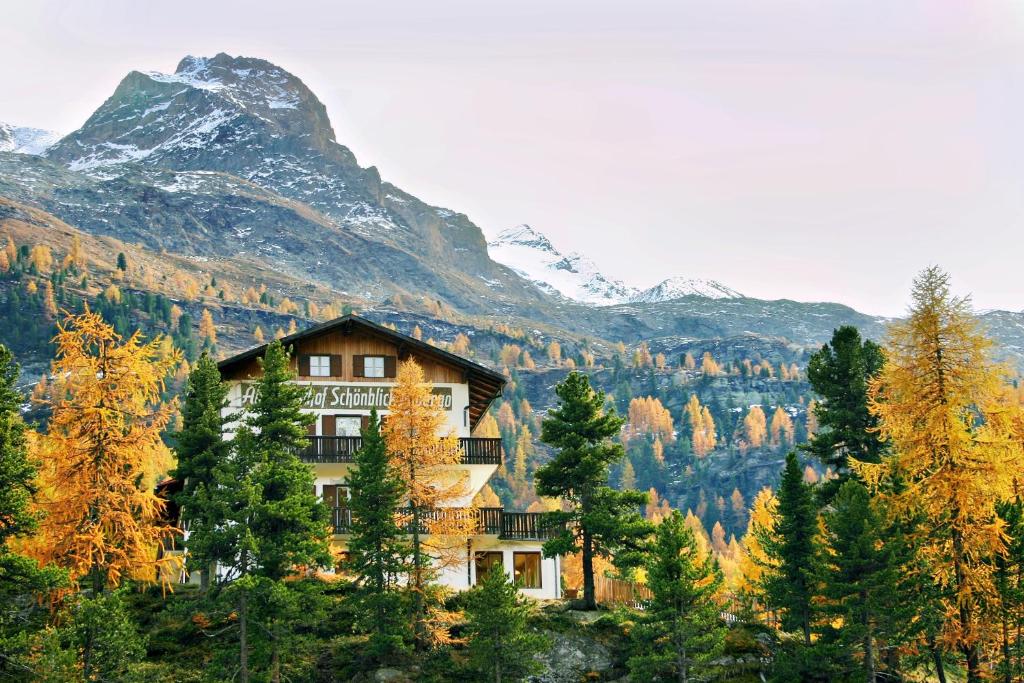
(334, 449)
(520, 526)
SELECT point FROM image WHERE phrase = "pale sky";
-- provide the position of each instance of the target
(810, 150)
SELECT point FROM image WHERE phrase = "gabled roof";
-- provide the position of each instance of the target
(485, 384)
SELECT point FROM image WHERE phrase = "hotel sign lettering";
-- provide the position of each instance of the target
(323, 396)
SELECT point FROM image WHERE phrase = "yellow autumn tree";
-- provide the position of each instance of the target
(207, 328)
(5, 262)
(755, 427)
(102, 455)
(702, 426)
(709, 366)
(555, 353)
(812, 419)
(424, 451)
(781, 428)
(954, 427)
(648, 417)
(42, 258)
(257, 335)
(755, 561)
(49, 301)
(688, 362)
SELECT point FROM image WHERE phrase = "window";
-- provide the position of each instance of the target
(488, 562)
(373, 366)
(527, 569)
(319, 366)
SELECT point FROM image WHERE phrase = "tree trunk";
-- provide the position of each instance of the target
(243, 639)
(275, 657)
(940, 670)
(869, 645)
(589, 598)
(1007, 661)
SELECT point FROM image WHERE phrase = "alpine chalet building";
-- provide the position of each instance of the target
(349, 366)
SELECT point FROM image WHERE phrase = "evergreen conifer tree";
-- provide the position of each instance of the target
(859, 574)
(840, 373)
(201, 448)
(377, 546)
(680, 632)
(20, 576)
(501, 644)
(793, 552)
(274, 523)
(602, 521)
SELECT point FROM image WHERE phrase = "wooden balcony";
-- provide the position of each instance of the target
(519, 526)
(334, 449)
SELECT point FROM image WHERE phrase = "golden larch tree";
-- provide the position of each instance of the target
(755, 427)
(102, 455)
(945, 407)
(207, 328)
(755, 561)
(425, 452)
(782, 433)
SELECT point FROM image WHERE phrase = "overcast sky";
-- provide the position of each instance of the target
(808, 150)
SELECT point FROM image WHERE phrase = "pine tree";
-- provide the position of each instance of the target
(602, 521)
(843, 426)
(19, 575)
(122, 262)
(378, 550)
(954, 428)
(201, 448)
(792, 549)
(680, 632)
(274, 522)
(859, 573)
(501, 644)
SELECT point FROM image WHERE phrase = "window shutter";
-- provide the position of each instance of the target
(364, 421)
(311, 429)
(336, 370)
(357, 366)
(303, 366)
(330, 425)
(390, 366)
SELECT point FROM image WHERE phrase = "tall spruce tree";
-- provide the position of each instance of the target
(1009, 580)
(501, 644)
(274, 523)
(792, 549)
(201, 448)
(859, 574)
(681, 631)
(378, 549)
(20, 576)
(840, 373)
(602, 521)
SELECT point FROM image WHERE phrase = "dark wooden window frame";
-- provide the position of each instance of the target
(540, 566)
(481, 555)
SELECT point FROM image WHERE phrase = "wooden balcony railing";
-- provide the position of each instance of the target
(520, 526)
(332, 449)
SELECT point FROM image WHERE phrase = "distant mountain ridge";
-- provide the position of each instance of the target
(530, 253)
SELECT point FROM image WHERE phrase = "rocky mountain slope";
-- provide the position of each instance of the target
(24, 140)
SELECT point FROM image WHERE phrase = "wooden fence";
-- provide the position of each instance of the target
(618, 592)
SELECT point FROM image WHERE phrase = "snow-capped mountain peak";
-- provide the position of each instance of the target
(531, 254)
(23, 140)
(677, 287)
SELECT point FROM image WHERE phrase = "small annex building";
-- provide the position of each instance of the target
(349, 366)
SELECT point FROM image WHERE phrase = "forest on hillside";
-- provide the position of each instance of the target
(890, 547)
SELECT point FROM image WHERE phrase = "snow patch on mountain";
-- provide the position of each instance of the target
(532, 255)
(24, 140)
